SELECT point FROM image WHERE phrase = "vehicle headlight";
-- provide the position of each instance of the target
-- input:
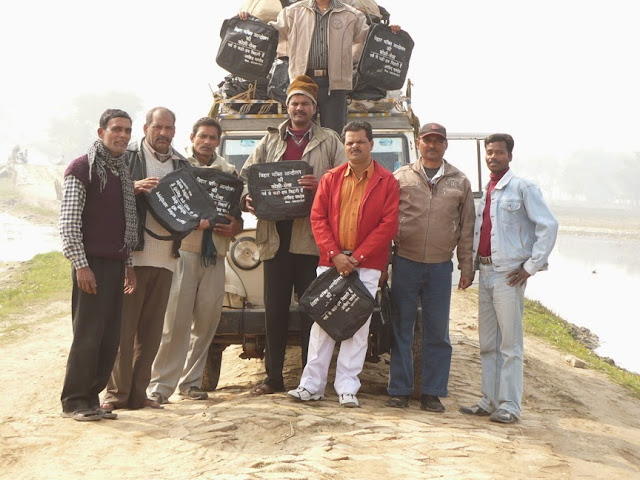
(244, 253)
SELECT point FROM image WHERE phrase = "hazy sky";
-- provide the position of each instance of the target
(559, 75)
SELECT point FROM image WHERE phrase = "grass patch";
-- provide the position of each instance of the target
(43, 279)
(543, 323)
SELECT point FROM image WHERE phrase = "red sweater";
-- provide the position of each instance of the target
(377, 218)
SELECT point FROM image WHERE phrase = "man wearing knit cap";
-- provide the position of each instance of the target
(153, 261)
(287, 247)
(314, 28)
(436, 217)
(98, 225)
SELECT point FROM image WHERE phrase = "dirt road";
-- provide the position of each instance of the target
(576, 424)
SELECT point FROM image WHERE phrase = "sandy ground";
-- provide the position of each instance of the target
(576, 423)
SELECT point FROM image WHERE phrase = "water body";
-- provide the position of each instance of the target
(21, 240)
(593, 281)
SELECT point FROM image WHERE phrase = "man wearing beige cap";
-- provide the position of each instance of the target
(436, 216)
(287, 247)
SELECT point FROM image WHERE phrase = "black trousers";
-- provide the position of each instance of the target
(284, 272)
(332, 106)
(96, 321)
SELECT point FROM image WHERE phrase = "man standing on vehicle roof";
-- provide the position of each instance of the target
(287, 247)
(436, 217)
(324, 41)
(197, 289)
(514, 235)
(153, 262)
(98, 226)
(354, 218)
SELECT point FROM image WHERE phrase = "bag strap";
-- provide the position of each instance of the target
(365, 11)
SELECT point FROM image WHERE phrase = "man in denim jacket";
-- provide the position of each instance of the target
(514, 234)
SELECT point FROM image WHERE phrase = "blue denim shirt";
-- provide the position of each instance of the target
(523, 229)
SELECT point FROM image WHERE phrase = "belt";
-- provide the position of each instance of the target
(317, 73)
(485, 260)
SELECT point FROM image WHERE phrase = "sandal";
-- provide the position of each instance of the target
(262, 389)
(84, 415)
(151, 404)
(106, 411)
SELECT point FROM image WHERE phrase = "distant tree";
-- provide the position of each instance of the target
(70, 133)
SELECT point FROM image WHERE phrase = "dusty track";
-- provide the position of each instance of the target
(576, 424)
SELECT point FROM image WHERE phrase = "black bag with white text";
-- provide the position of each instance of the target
(225, 190)
(340, 305)
(385, 58)
(247, 47)
(275, 193)
(178, 202)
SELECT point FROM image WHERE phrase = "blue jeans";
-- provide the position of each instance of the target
(431, 284)
(501, 341)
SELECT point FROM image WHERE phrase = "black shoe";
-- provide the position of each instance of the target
(398, 401)
(431, 403)
(475, 410)
(503, 416)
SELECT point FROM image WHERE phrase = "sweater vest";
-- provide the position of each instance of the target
(103, 222)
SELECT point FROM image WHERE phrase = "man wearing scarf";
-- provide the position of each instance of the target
(197, 289)
(98, 226)
(153, 261)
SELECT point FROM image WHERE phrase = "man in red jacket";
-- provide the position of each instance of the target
(354, 218)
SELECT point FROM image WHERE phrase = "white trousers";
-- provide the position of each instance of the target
(190, 323)
(352, 351)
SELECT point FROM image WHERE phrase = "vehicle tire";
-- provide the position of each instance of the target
(211, 374)
(416, 352)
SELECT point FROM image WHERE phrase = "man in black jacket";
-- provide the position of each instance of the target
(153, 262)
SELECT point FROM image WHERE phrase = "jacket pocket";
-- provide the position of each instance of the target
(510, 212)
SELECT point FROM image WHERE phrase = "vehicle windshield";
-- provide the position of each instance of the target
(391, 151)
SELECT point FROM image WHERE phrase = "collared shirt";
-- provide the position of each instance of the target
(432, 181)
(297, 141)
(74, 198)
(319, 51)
(351, 197)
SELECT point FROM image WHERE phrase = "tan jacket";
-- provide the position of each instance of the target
(434, 221)
(347, 32)
(193, 241)
(323, 152)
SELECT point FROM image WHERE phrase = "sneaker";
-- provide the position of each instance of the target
(195, 393)
(431, 403)
(503, 416)
(349, 400)
(476, 410)
(398, 401)
(158, 397)
(303, 395)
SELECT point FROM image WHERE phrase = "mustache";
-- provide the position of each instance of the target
(162, 137)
